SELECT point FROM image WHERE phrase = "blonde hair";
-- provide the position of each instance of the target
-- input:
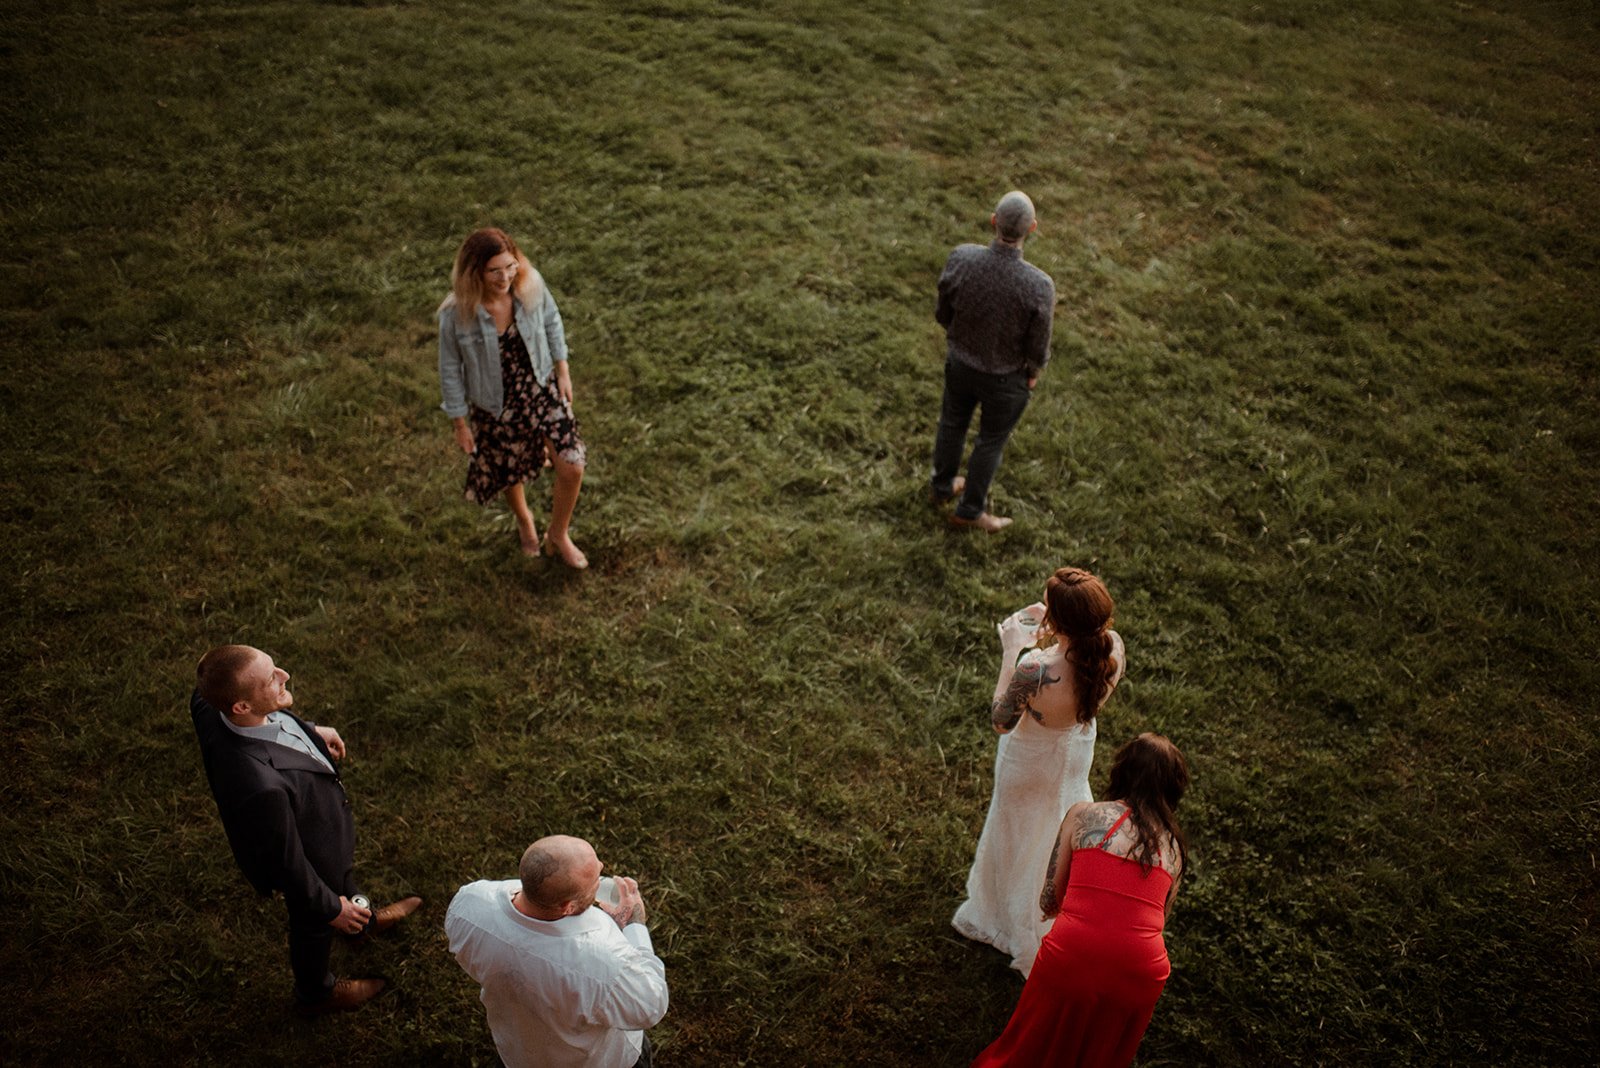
(466, 274)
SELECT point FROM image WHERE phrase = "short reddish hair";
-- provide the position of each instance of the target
(217, 677)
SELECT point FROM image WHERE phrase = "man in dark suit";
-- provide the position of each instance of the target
(276, 781)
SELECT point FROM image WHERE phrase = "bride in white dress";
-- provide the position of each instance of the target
(1044, 708)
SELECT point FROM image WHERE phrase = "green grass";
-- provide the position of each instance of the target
(1322, 414)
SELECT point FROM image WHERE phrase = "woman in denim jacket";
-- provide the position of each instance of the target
(507, 390)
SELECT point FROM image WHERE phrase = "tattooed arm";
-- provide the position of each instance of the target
(1049, 905)
(1013, 696)
(1055, 874)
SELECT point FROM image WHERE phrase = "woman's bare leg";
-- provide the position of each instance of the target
(527, 533)
(569, 479)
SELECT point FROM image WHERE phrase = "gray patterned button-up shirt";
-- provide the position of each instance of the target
(996, 309)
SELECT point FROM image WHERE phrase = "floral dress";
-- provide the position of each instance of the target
(511, 446)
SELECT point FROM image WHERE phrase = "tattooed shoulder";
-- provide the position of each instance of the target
(1027, 680)
(1094, 823)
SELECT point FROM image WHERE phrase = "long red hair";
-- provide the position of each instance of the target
(1078, 608)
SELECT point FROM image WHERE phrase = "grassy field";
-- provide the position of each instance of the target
(1323, 413)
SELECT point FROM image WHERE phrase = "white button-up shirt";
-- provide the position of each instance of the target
(564, 993)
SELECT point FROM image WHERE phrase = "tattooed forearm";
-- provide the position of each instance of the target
(1029, 678)
(1047, 896)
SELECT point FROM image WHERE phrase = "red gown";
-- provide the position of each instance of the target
(1099, 971)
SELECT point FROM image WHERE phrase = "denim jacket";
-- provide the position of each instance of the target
(469, 354)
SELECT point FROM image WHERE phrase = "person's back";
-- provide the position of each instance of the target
(996, 309)
(562, 984)
(1054, 705)
(1114, 907)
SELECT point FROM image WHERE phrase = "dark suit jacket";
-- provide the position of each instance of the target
(286, 815)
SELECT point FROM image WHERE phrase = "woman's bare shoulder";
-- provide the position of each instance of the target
(1119, 656)
(1049, 662)
(1094, 820)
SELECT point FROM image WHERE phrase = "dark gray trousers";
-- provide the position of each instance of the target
(310, 945)
(1002, 399)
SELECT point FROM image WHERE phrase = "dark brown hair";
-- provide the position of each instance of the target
(1149, 775)
(1078, 608)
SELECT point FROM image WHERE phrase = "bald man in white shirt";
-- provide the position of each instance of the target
(567, 980)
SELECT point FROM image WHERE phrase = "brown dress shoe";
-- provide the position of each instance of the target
(393, 913)
(347, 994)
(989, 524)
(957, 484)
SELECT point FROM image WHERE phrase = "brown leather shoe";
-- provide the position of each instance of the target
(392, 914)
(957, 484)
(347, 994)
(989, 524)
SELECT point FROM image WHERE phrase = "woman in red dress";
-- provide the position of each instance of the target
(1110, 883)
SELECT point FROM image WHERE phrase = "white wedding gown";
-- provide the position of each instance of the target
(1038, 774)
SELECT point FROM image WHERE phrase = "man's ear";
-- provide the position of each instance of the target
(1033, 226)
(994, 220)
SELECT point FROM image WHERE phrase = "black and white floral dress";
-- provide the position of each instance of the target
(510, 446)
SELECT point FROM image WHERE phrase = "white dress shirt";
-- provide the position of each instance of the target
(564, 993)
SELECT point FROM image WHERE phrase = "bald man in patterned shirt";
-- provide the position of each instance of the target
(996, 311)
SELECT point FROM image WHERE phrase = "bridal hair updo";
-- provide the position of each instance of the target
(466, 274)
(1078, 608)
